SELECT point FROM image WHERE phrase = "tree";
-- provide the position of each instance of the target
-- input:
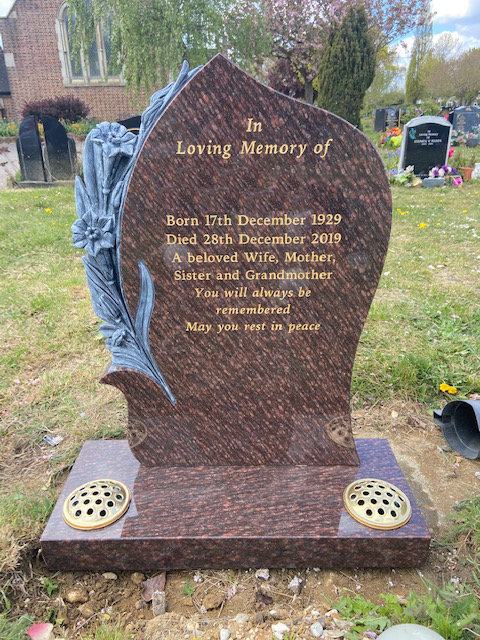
(422, 46)
(299, 29)
(348, 66)
(384, 89)
(150, 38)
(439, 69)
(467, 76)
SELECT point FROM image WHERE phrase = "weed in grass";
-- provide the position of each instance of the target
(452, 610)
(188, 588)
(49, 585)
(109, 632)
(466, 528)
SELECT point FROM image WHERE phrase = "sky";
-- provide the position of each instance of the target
(460, 17)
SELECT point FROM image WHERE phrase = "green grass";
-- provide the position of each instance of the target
(14, 629)
(51, 360)
(451, 610)
(423, 329)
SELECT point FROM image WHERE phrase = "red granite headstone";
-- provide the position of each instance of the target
(264, 224)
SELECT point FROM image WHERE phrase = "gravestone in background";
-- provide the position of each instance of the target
(61, 152)
(29, 149)
(380, 120)
(466, 119)
(252, 230)
(425, 144)
(391, 117)
(132, 124)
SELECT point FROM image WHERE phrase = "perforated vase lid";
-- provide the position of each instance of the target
(96, 504)
(377, 504)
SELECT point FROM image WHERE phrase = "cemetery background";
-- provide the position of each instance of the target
(422, 331)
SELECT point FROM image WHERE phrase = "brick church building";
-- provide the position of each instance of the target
(37, 63)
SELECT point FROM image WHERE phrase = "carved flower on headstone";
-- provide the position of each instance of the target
(115, 139)
(93, 233)
(116, 336)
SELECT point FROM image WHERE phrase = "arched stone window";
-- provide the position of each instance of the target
(94, 68)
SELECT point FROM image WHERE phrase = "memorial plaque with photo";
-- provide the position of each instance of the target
(237, 247)
(425, 144)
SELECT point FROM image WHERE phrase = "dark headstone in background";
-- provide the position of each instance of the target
(132, 124)
(380, 120)
(391, 117)
(466, 119)
(425, 144)
(61, 153)
(29, 150)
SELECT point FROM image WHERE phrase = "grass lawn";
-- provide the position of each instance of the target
(423, 329)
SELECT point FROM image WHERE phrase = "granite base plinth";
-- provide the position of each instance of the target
(226, 517)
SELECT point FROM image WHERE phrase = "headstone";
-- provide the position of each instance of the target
(132, 124)
(391, 117)
(467, 120)
(425, 144)
(252, 234)
(61, 153)
(29, 150)
(380, 120)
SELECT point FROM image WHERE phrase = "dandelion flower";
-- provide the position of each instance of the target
(48, 210)
(422, 225)
(448, 389)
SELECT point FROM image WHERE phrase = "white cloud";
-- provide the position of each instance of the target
(448, 11)
(404, 48)
(5, 6)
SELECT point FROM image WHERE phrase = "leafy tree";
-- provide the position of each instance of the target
(467, 75)
(384, 90)
(415, 84)
(150, 38)
(348, 66)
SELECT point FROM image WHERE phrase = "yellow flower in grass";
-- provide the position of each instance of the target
(448, 389)
(422, 225)
(48, 210)
(403, 213)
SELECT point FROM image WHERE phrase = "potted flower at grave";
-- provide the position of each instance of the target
(468, 168)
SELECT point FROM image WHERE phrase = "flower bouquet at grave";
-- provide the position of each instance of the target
(442, 172)
(392, 164)
(407, 178)
(391, 138)
(460, 137)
